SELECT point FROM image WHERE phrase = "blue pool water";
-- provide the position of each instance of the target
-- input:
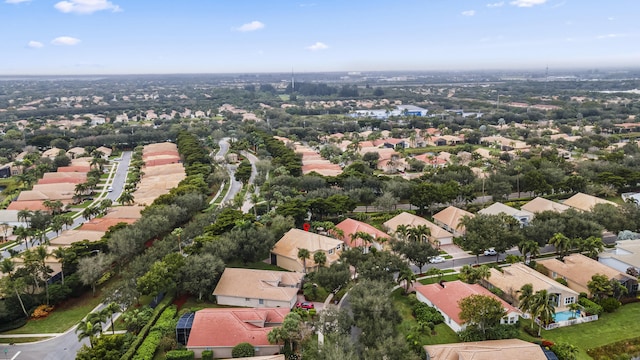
(565, 315)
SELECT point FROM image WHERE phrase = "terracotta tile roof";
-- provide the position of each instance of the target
(406, 218)
(259, 284)
(296, 239)
(31, 205)
(497, 208)
(446, 298)
(159, 147)
(580, 269)
(230, 327)
(350, 226)
(540, 204)
(124, 212)
(62, 191)
(103, 224)
(451, 217)
(68, 237)
(486, 350)
(586, 202)
(513, 277)
(73, 168)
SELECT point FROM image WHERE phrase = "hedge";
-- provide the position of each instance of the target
(147, 350)
(145, 330)
(590, 306)
(207, 355)
(180, 355)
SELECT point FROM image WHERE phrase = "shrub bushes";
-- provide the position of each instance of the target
(41, 311)
(163, 325)
(427, 314)
(145, 330)
(207, 355)
(610, 304)
(180, 355)
(243, 350)
(590, 306)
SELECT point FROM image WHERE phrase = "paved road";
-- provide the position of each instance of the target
(248, 204)
(234, 185)
(116, 180)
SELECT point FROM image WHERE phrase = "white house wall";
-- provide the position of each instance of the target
(254, 303)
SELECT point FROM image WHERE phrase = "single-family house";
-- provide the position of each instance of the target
(258, 288)
(577, 270)
(507, 349)
(439, 236)
(445, 297)
(350, 228)
(285, 251)
(510, 280)
(540, 204)
(625, 255)
(222, 329)
(586, 202)
(449, 219)
(523, 216)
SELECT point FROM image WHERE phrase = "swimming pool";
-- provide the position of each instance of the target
(565, 315)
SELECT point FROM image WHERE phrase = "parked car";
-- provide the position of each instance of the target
(490, 252)
(109, 189)
(305, 305)
(437, 259)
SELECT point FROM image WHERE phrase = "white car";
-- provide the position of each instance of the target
(437, 259)
(490, 252)
(109, 189)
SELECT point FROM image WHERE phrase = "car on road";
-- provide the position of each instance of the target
(437, 260)
(109, 189)
(307, 305)
(490, 252)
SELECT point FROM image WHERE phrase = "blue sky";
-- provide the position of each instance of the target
(223, 36)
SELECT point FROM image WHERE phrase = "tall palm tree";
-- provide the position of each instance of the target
(126, 198)
(67, 220)
(561, 243)
(544, 308)
(109, 311)
(177, 232)
(23, 233)
(591, 246)
(88, 328)
(320, 258)
(304, 254)
(41, 254)
(403, 231)
(526, 299)
(406, 275)
(421, 233)
(529, 247)
(25, 215)
(61, 254)
(7, 267)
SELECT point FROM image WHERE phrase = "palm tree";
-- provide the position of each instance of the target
(88, 328)
(23, 233)
(303, 254)
(4, 227)
(366, 238)
(109, 311)
(421, 233)
(592, 246)
(406, 275)
(126, 198)
(67, 220)
(61, 254)
(7, 267)
(81, 188)
(525, 300)
(544, 308)
(320, 258)
(403, 231)
(529, 247)
(24, 216)
(177, 232)
(561, 242)
(41, 254)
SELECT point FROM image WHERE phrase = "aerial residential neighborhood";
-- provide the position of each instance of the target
(320, 181)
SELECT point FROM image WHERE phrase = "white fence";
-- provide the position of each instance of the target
(559, 324)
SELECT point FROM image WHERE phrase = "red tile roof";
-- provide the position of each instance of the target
(350, 226)
(103, 224)
(230, 327)
(446, 297)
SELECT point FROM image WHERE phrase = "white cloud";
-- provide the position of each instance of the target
(65, 40)
(610, 36)
(86, 6)
(318, 46)
(527, 3)
(252, 26)
(469, 13)
(495, 5)
(15, 1)
(35, 44)
(611, 18)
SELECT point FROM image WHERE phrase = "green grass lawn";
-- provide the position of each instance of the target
(63, 317)
(21, 340)
(255, 265)
(435, 279)
(623, 324)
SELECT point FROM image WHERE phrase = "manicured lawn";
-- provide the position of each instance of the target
(21, 340)
(443, 333)
(623, 324)
(62, 318)
(435, 279)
